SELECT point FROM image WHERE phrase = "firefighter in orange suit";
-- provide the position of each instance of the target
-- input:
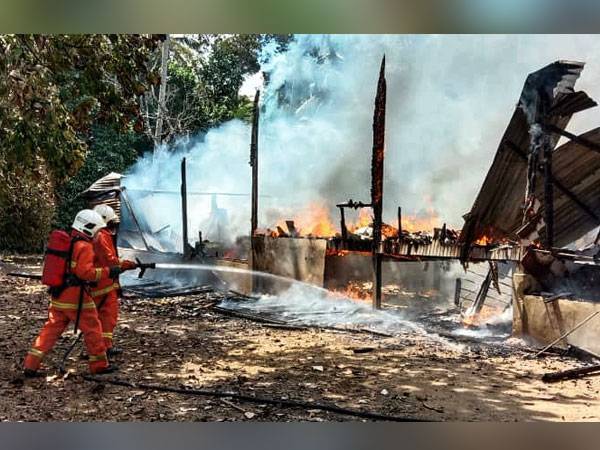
(64, 306)
(106, 293)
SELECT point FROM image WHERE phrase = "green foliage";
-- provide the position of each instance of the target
(206, 73)
(230, 60)
(52, 88)
(69, 103)
(110, 151)
(26, 207)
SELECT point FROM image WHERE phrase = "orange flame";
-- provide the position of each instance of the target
(477, 320)
(312, 220)
(484, 240)
(364, 220)
(315, 220)
(356, 291)
(412, 223)
(490, 236)
(422, 222)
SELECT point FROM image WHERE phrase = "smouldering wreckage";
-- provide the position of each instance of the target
(535, 201)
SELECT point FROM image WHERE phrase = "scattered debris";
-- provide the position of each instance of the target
(570, 374)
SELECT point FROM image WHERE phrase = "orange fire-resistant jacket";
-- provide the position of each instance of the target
(84, 268)
(106, 256)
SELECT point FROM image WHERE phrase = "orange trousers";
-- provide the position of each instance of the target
(108, 313)
(58, 320)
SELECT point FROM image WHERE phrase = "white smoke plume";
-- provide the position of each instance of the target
(449, 100)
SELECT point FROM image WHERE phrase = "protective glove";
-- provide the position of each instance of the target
(128, 265)
(115, 271)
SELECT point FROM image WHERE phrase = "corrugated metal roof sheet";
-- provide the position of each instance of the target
(110, 182)
(438, 250)
(105, 191)
(498, 204)
(577, 168)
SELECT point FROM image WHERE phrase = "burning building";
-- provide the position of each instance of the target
(537, 198)
(543, 198)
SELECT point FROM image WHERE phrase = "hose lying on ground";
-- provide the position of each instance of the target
(251, 399)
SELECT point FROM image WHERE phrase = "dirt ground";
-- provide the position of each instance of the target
(182, 342)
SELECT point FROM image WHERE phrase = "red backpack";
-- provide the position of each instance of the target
(57, 259)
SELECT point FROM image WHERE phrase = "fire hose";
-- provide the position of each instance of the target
(252, 399)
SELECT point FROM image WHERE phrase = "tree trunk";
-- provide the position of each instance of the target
(162, 94)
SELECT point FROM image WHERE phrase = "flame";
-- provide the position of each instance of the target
(364, 219)
(313, 220)
(356, 291)
(477, 320)
(424, 221)
(421, 222)
(388, 231)
(484, 240)
(489, 236)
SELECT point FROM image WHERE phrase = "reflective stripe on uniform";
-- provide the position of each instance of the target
(101, 357)
(107, 335)
(106, 290)
(36, 352)
(98, 274)
(63, 305)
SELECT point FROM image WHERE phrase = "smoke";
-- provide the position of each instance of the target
(450, 99)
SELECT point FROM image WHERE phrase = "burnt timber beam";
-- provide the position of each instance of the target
(377, 180)
(184, 215)
(483, 292)
(343, 224)
(254, 163)
(577, 139)
(399, 221)
(352, 204)
(561, 187)
(457, 292)
(548, 195)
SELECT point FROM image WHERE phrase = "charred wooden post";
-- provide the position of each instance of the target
(377, 181)
(254, 164)
(548, 195)
(343, 224)
(483, 292)
(457, 292)
(349, 204)
(542, 91)
(184, 216)
(562, 188)
(399, 222)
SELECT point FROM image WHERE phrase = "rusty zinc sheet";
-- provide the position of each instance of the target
(105, 190)
(437, 250)
(497, 208)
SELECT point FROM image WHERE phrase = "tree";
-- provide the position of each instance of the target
(109, 151)
(52, 88)
(205, 74)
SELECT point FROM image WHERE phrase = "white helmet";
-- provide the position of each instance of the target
(88, 222)
(107, 213)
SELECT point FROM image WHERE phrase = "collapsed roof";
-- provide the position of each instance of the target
(576, 164)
